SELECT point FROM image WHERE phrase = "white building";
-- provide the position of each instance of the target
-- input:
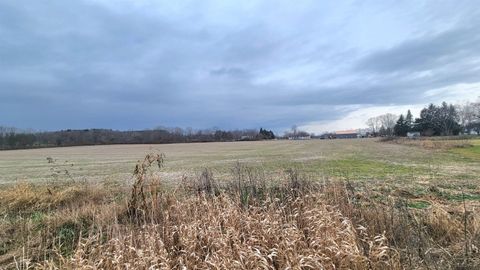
(413, 134)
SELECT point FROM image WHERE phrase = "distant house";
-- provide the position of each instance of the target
(413, 135)
(346, 134)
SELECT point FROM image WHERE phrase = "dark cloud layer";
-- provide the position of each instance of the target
(130, 65)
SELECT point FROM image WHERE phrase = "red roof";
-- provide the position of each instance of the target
(351, 131)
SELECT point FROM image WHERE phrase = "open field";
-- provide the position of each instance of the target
(400, 165)
(314, 204)
(361, 159)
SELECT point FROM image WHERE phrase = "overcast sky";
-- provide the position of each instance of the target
(322, 65)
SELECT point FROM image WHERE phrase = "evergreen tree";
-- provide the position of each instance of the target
(448, 120)
(438, 120)
(266, 134)
(427, 123)
(409, 121)
(402, 127)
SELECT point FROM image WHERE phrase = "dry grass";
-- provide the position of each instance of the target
(434, 143)
(244, 222)
(37, 222)
(206, 233)
(27, 198)
(116, 161)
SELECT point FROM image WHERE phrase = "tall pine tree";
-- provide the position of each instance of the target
(401, 127)
(409, 121)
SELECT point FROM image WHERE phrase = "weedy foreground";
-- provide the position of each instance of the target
(244, 222)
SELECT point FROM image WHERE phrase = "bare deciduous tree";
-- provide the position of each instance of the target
(467, 113)
(374, 124)
(382, 124)
(294, 130)
(388, 122)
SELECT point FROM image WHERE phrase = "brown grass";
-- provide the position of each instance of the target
(205, 233)
(433, 143)
(245, 222)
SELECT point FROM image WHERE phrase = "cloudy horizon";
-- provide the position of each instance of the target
(319, 65)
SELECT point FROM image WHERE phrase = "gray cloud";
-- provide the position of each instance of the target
(90, 64)
(426, 53)
(230, 72)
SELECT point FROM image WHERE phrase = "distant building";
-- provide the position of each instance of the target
(327, 136)
(472, 132)
(246, 138)
(307, 137)
(346, 134)
(363, 133)
(413, 135)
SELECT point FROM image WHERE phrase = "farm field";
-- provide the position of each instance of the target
(240, 135)
(362, 159)
(397, 204)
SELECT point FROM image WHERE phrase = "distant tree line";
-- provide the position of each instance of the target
(266, 134)
(295, 133)
(11, 138)
(434, 120)
(442, 120)
(382, 125)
